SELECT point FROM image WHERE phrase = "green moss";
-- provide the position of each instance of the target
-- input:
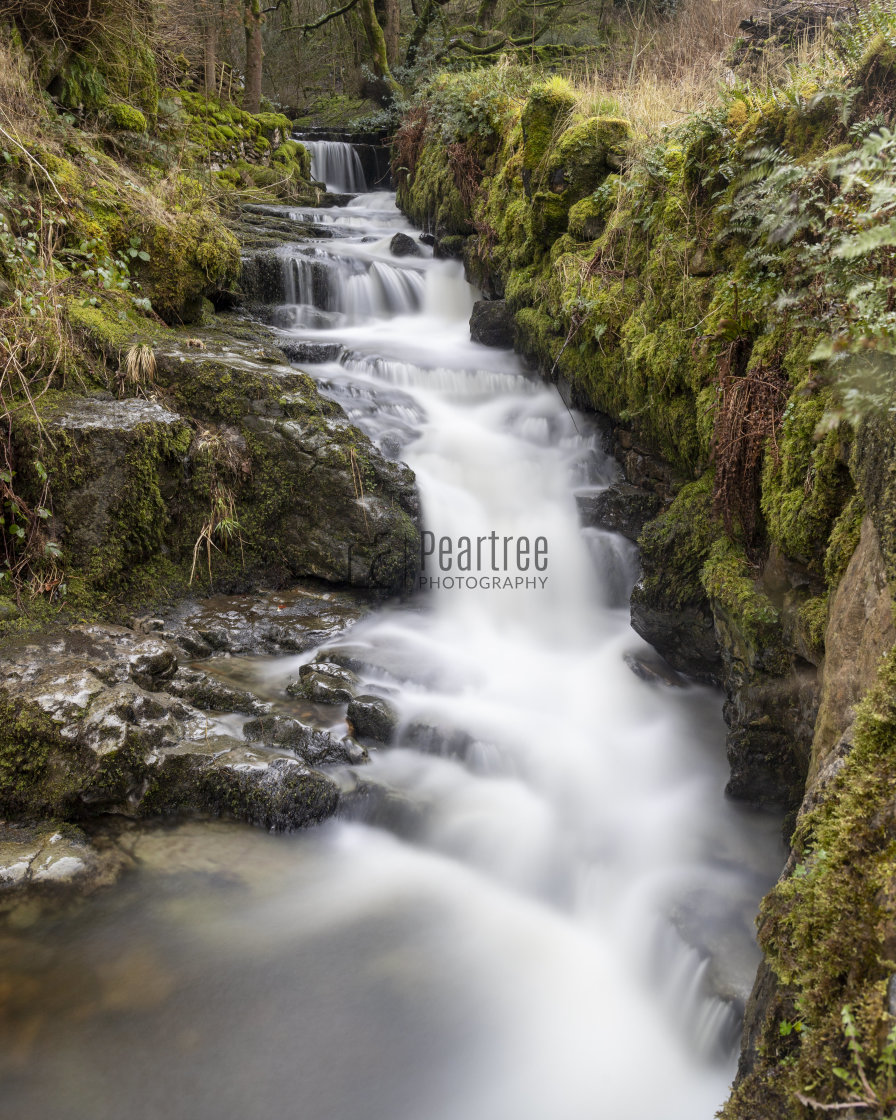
(545, 114)
(34, 779)
(730, 582)
(589, 216)
(843, 540)
(827, 927)
(586, 153)
(432, 197)
(126, 118)
(270, 123)
(111, 325)
(676, 547)
(813, 615)
(805, 481)
(188, 261)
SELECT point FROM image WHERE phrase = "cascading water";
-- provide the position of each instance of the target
(541, 907)
(337, 165)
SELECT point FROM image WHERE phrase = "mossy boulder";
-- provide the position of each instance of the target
(545, 115)
(88, 727)
(191, 259)
(314, 496)
(126, 118)
(573, 168)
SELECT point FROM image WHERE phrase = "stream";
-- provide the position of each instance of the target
(542, 906)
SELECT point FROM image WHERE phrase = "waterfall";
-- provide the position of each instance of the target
(356, 288)
(337, 164)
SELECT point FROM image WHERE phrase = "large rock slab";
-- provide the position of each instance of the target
(101, 720)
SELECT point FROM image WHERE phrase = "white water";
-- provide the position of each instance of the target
(532, 918)
(336, 164)
(588, 811)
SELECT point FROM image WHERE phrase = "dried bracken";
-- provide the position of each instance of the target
(408, 144)
(749, 407)
(466, 171)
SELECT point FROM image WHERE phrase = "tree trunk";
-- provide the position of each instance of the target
(393, 20)
(376, 43)
(254, 56)
(210, 59)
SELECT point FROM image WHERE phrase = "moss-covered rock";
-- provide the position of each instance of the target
(89, 728)
(670, 607)
(544, 117)
(189, 261)
(126, 118)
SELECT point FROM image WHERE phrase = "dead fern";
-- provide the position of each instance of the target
(408, 144)
(749, 407)
(466, 171)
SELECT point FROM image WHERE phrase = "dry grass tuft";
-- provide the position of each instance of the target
(138, 372)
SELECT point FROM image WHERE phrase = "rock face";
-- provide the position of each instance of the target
(373, 717)
(860, 631)
(492, 323)
(137, 483)
(828, 927)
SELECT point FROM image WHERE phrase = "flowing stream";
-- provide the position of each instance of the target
(542, 908)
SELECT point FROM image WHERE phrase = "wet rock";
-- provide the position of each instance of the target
(53, 855)
(90, 725)
(324, 683)
(685, 636)
(449, 246)
(304, 511)
(402, 245)
(492, 323)
(449, 742)
(621, 508)
(653, 670)
(273, 622)
(128, 451)
(354, 751)
(209, 693)
(642, 468)
(380, 806)
(316, 747)
(280, 793)
(393, 665)
(373, 717)
(311, 352)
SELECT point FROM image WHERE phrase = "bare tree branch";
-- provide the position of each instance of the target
(306, 27)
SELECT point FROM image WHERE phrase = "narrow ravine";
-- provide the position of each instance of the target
(537, 904)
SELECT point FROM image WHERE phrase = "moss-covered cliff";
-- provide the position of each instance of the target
(724, 294)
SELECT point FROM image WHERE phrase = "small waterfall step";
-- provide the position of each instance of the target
(337, 164)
